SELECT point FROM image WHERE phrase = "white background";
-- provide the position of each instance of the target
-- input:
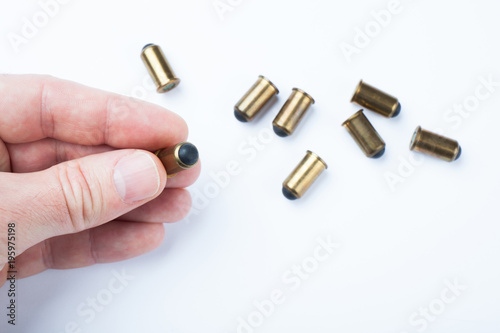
(398, 245)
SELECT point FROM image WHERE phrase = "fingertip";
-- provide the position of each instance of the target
(181, 128)
(185, 128)
(141, 124)
(155, 234)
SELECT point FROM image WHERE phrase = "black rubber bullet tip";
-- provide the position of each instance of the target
(289, 195)
(459, 153)
(398, 111)
(240, 117)
(188, 154)
(150, 44)
(280, 132)
(379, 154)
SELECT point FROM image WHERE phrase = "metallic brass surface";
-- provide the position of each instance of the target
(376, 100)
(292, 112)
(304, 175)
(365, 135)
(173, 161)
(435, 145)
(261, 93)
(159, 68)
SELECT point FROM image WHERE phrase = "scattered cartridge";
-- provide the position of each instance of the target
(159, 68)
(304, 175)
(292, 112)
(376, 100)
(178, 158)
(435, 145)
(254, 101)
(365, 135)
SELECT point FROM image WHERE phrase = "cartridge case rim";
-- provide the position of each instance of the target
(354, 116)
(356, 91)
(171, 84)
(317, 158)
(305, 94)
(270, 83)
(416, 135)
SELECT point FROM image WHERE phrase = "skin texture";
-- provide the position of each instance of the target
(59, 143)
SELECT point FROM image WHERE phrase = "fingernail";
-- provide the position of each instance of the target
(136, 177)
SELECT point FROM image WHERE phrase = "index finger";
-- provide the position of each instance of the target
(34, 107)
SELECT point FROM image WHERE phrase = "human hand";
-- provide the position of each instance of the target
(77, 177)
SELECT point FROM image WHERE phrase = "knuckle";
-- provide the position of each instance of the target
(81, 197)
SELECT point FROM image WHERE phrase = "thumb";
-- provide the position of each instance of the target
(77, 195)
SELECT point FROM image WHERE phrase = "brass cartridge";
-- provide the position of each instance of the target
(365, 135)
(376, 100)
(292, 112)
(181, 157)
(435, 145)
(159, 68)
(304, 175)
(259, 95)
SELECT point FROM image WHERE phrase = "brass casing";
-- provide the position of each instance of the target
(304, 175)
(170, 159)
(255, 99)
(376, 100)
(435, 145)
(365, 135)
(292, 112)
(159, 68)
